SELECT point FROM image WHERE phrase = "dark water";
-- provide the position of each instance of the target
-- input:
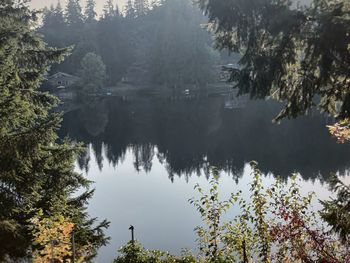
(146, 154)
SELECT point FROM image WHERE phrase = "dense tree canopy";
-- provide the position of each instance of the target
(55, 21)
(93, 72)
(36, 168)
(182, 51)
(163, 43)
(141, 7)
(129, 10)
(299, 55)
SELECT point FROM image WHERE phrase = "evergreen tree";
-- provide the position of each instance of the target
(117, 11)
(129, 10)
(47, 14)
(54, 26)
(36, 170)
(114, 44)
(108, 9)
(292, 54)
(300, 56)
(54, 17)
(141, 7)
(74, 15)
(181, 53)
(90, 13)
(336, 212)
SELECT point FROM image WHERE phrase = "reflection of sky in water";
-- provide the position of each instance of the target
(140, 144)
(157, 207)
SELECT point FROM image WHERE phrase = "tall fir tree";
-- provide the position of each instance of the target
(179, 41)
(54, 26)
(54, 16)
(36, 168)
(141, 7)
(73, 14)
(59, 15)
(113, 43)
(89, 12)
(129, 9)
(108, 9)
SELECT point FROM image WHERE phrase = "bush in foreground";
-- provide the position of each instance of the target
(277, 224)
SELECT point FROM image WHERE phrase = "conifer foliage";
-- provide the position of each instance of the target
(74, 13)
(36, 169)
(90, 13)
(298, 55)
(290, 53)
(148, 42)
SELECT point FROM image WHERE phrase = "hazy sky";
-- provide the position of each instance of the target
(99, 3)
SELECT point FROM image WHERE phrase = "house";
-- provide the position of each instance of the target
(226, 71)
(62, 80)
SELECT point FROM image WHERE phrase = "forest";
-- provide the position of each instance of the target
(293, 58)
(161, 43)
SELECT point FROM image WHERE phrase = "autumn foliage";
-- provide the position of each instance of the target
(340, 130)
(52, 239)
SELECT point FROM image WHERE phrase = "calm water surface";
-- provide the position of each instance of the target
(146, 154)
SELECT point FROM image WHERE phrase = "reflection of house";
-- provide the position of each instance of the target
(62, 80)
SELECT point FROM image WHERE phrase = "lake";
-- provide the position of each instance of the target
(147, 152)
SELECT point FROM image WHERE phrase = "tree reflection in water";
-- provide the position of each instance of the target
(188, 135)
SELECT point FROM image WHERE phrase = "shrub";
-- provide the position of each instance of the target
(277, 224)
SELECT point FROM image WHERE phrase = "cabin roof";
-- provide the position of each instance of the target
(62, 74)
